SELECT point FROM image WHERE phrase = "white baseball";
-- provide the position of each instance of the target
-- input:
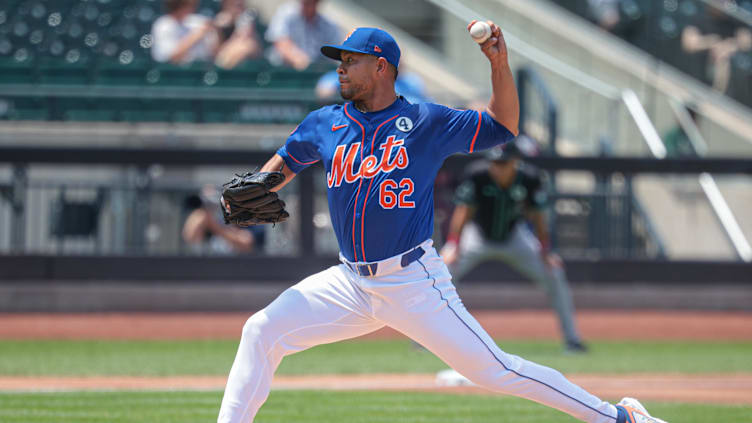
(480, 31)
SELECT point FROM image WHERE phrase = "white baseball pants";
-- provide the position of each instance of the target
(418, 300)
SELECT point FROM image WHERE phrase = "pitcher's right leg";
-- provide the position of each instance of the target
(322, 308)
(441, 323)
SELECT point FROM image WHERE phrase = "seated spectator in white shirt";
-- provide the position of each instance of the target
(237, 33)
(182, 36)
(298, 31)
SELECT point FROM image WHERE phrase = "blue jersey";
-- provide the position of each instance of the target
(381, 167)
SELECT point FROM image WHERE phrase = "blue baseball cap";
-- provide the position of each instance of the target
(373, 41)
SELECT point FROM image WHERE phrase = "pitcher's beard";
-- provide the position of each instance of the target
(346, 94)
(350, 92)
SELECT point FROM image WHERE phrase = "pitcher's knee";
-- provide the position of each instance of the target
(256, 328)
(489, 378)
(497, 374)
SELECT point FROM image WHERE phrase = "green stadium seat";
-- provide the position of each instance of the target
(146, 110)
(72, 70)
(106, 43)
(93, 115)
(268, 112)
(180, 110)
(115, 72)
(221, 111)
(182, 76)
(246, 74)
(28, 108)
(83, 109)
(13, 71)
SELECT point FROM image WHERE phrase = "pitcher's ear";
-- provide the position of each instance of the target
(382, 65)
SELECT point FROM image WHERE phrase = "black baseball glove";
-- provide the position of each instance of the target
(250, 200)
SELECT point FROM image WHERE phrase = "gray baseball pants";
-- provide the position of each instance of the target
(521, 251)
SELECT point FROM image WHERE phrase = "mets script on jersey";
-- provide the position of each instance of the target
(391, 193)
(343, 165)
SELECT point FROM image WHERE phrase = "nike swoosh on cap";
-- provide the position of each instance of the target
(337, 127)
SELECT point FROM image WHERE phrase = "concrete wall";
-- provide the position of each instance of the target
(237, 296)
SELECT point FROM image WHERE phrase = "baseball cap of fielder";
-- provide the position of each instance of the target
(373, 41)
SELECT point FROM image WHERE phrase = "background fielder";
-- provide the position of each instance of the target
(382, 154)
(494, 204)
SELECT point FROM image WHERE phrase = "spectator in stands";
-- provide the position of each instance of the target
(298, 31)
(605, 13)
(204, 227)
(623, 18)
(722, 39)
(677, 141)
(181, 36)
(237, 33)
(408, 85)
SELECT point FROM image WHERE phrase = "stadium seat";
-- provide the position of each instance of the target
(115, 72)
(106, 43)
(72, 70)
(247, 74)
(27, 108)
(740, 84)
(14, 71)
(222, 111)
(83, 109)
(192, 75)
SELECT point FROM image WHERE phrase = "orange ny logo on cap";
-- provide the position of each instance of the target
(377, 49)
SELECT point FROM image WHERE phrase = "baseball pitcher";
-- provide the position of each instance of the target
(381, 155)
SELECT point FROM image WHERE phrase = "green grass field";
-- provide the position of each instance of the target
(163, 358)
(168, 358)
(313, 406)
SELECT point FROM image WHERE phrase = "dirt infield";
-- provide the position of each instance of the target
(716, 389)
(636, 325)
